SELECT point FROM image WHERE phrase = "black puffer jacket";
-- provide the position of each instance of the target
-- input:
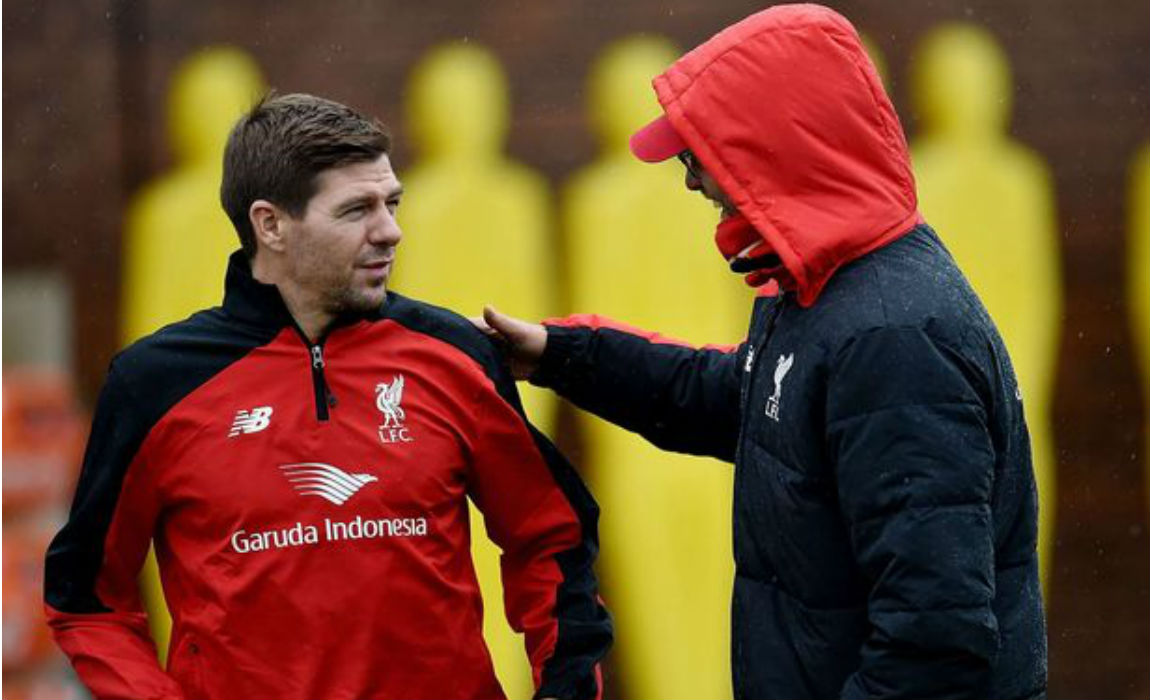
(885, 508)
(885, 511)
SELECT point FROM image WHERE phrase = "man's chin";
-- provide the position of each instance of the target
(373, 301)
(366, 301)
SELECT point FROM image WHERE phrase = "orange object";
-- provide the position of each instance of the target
(44, 432)
(27, 640)
(42, 685)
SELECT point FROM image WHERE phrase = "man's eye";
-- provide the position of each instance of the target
(393, 205)
(355, 211)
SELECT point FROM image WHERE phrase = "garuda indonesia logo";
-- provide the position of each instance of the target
(326, 481)
(388, 399)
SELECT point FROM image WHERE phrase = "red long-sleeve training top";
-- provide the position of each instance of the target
(308, 504)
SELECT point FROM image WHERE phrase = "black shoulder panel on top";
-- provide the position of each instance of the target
(168, 365)
(457, 331)
(144, 382)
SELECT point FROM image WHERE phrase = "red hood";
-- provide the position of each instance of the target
(787, 113)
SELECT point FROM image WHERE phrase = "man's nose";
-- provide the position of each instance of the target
(385, 230)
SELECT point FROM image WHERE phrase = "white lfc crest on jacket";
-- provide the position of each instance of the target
(781, 368)
(388, 399)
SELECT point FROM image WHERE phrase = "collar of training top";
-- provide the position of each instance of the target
(259, 304)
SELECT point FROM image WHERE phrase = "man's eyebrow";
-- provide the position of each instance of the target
(354, 201)
(366, 198)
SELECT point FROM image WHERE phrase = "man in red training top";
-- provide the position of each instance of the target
(302, 457)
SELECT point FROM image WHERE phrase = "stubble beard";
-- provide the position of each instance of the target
(336, 293)
(346, 299)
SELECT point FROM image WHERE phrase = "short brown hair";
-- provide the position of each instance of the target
(278, 148)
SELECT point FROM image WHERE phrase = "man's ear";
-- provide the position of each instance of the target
(269, 223)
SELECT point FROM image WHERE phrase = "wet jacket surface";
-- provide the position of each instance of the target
(885, 513)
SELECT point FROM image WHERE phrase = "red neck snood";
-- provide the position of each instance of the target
(749, 253)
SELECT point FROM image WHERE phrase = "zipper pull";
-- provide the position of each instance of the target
(317, 357)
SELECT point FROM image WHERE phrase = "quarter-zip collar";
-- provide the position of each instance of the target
(250, 300)
(262, 305)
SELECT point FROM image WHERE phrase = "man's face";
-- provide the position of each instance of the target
(339, 255)
(699, 180)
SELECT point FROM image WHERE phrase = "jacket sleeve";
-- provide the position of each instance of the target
(544, 520)
(680, 398)
(90, 575)
(915, 467)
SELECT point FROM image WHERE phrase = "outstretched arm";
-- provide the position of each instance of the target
(679, 397)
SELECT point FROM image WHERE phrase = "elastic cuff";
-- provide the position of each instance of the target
(556, 364)
(589, 687)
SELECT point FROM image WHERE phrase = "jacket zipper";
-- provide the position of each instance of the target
(761, 345)
(324, 399)
(759, 348)
(323, 396)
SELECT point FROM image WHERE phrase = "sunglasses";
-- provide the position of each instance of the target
(691, 163)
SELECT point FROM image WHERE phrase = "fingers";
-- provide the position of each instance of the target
(512, 329)
(482, 325)
(497, 321)
(524, 342)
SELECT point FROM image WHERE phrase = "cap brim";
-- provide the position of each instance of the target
(657, 141)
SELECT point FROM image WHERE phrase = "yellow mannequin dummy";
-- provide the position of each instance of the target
(641, 251)
(177, 238)
(1138, 276)
(991, 200)
(477, 230)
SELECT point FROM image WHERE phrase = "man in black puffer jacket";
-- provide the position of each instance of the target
(885, 509)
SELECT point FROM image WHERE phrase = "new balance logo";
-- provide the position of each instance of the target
(329, 483)
(781, 368)
(251, 421)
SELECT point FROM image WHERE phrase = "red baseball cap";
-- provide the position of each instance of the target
(657, 141)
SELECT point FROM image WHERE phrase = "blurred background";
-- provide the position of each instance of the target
(1029, 124)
